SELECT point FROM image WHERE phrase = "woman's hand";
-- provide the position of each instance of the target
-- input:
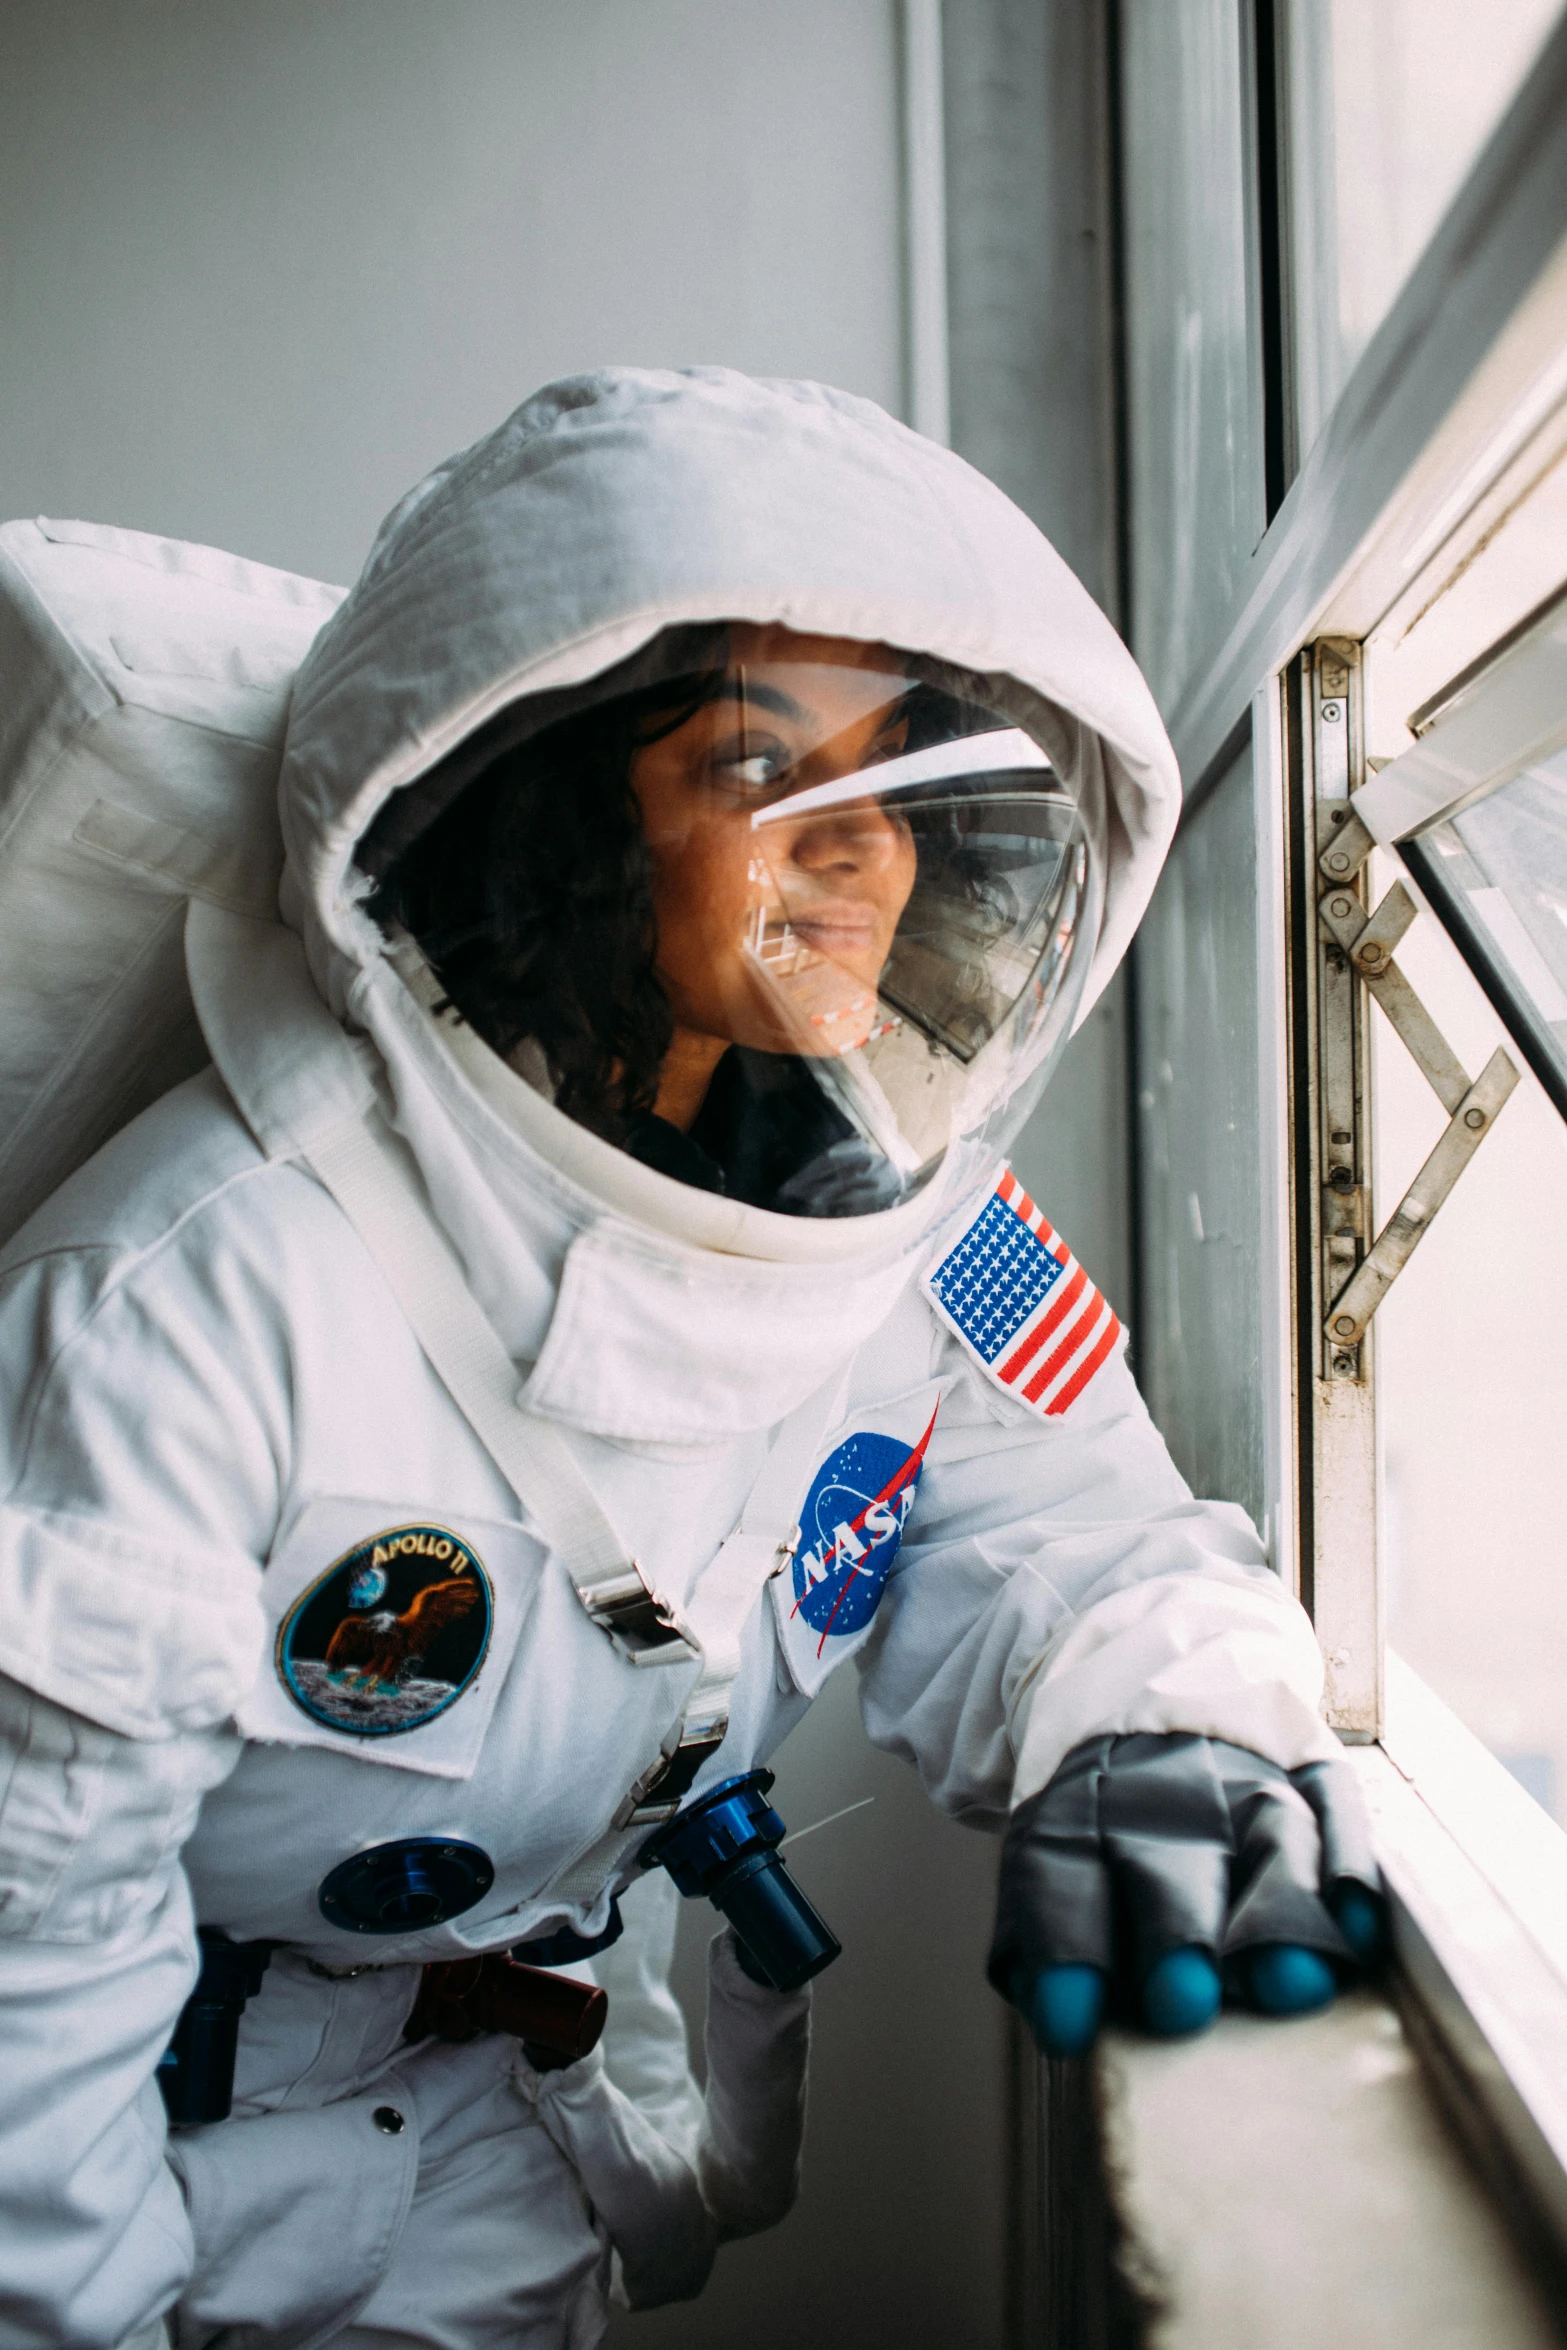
(1158, 1873)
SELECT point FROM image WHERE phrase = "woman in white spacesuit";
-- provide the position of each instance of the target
(451, 1441)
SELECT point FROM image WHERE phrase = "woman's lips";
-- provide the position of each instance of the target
(849, 931)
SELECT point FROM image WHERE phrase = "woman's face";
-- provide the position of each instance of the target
(775, 935)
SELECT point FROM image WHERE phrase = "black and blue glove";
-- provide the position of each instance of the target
(1156, 1873)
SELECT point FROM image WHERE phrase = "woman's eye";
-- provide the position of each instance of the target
(890, 745)
(753, 770)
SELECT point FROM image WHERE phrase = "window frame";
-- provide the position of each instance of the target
(1430, 401)
(1390, 501)
(1482, 732)
(1515, 1012)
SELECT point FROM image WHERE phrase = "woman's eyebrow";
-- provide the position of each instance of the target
(740, 688)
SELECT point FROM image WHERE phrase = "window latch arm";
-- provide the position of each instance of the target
(1368, 940)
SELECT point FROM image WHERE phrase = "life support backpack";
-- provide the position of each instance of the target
(144, 689)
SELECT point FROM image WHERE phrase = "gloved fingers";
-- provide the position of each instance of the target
(1333, 1792)
(1283, 1949)
(1160, 1871)
(1053, 1908)
(1181, 1994)
(1172, 1894)
(1280, 1978)
(1165, 1820)
(1300, 1835)
(1361, 1918)
(1276, 1899)
(1053, 1903)
(1063, 2006)
(1351, 1880)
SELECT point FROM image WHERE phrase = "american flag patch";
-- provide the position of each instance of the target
(1021, 1302)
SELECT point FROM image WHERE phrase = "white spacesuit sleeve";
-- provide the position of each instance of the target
(144, 1438)
(97, 1956)
(645, 2049)
(672, 2172)
(758, 2054)
(1058, 1580)
(135, 1475)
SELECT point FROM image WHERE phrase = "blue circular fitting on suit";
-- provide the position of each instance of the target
(725, 1845)
(403, 1887)
(700, 1843)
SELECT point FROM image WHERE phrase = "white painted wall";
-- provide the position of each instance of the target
(265, 261)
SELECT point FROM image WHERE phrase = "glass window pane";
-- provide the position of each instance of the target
(1471, 1370)
(1479, 806)
(1390, 102)
(1199, 1342)
(1498, 875)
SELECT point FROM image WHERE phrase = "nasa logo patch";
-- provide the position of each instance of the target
(390, 1635)
(850, 1529)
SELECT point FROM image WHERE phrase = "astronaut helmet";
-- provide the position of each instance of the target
(795, 919)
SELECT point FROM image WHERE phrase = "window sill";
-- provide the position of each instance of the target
(1285, 2186)
(1282, 2186)
(1477, 1875)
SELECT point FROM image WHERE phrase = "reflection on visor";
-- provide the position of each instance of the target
(788, 918)
(895, 992)
(874, 889)
(1002, 749)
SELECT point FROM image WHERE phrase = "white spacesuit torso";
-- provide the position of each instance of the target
(268, 1598)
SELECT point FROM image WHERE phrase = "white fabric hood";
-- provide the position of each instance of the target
(617, 504)
(606, 509)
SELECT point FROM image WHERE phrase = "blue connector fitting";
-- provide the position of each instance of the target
(725, 1847)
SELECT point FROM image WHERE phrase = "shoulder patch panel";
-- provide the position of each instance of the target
(1012, 1290)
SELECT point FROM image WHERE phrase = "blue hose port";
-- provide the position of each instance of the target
(724, 1846)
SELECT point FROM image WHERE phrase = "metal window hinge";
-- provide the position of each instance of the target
(1366, 942)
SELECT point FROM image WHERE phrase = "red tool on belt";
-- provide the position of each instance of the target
(557, 2020)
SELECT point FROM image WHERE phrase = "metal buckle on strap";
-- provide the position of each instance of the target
(659, 1793)
(644, 1627)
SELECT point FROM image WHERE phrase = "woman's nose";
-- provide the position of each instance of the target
(861, 838)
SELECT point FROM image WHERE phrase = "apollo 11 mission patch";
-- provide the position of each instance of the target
(390, 1635)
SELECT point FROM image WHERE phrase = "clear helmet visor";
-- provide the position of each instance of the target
(875, 905)
(865, 899)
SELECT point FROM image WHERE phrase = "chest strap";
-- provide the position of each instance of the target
(371, 1174)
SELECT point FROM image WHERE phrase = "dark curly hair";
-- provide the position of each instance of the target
(531, 891)
(531, 895)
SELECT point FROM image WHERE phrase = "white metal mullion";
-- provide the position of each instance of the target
(1335, 1221)
(1270, 800)
(927, 399)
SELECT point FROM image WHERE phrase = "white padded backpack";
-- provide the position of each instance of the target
(144, 689)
